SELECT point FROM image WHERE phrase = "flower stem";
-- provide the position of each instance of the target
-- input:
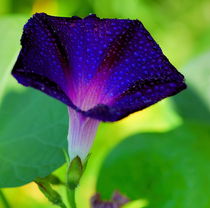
(71, 197)
(4, 200)
(62, 206)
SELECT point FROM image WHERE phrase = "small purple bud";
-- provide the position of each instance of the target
(117, 201)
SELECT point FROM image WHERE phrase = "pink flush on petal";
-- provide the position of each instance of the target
(82, 129)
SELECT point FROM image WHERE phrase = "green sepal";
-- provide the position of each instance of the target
(53, 196)
(54, 180)
(86, 162)
(74, 172)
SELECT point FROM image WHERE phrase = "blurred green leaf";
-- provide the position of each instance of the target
(11, 28)
(170, 169)
(4, 6)
(33, 126)
(194, 103)
(75, 7)
(33, 129)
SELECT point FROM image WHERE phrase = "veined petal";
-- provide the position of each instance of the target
(103, 68)
(82, 131)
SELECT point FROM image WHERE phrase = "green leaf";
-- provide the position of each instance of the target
(194, 103)
(11, 28)
(170, 170)
(33, 129)
(33, 126)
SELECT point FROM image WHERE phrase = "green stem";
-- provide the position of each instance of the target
(71, 197)
(63, 205)
(4, 200)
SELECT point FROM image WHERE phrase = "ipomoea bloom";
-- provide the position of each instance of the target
(102, 69)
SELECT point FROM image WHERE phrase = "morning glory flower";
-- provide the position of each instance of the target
(102, 69)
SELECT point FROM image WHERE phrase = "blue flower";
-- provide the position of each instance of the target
(102, 69)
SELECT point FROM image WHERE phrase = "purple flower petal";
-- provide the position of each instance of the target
(117, 201)
(102, 68)
(82, 131)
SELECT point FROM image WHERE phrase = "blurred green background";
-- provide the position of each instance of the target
(158, 157)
